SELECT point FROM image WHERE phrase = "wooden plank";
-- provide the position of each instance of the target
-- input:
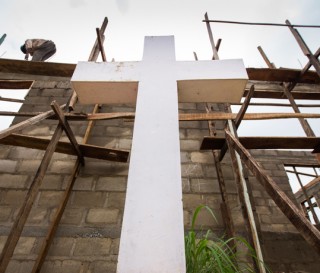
(282, 75)
(248, 116)
(66, 148)
(102, 116)
(26, 206)
(274, 94)
(20, 114)
(182, 116)
(12, 84)
(67, 129)
(37, 68)
(295, 216)
(66, 70)
(215, 143)
(199, 116)
(31, 121)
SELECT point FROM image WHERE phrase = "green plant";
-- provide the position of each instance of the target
(217, 255)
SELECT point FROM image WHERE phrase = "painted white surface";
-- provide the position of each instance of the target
(201, 81)
(106, 82)
(211, 81)
(152, 237)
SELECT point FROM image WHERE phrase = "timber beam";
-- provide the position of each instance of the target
(15, 84)
(182, 116)
(216, 143)
(66, 147)
(66, 70)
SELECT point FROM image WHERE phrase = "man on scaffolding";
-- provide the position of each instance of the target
(39, 49)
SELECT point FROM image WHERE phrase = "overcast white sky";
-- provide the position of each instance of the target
(71, 25)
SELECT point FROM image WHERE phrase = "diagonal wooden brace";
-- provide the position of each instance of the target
(31, 121)
(305, 49)
(306, 229)
(65, 125)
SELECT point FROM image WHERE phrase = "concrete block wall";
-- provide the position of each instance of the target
(87, 239)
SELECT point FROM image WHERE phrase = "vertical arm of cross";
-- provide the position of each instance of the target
(152, 236)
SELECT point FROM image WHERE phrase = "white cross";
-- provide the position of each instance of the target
(152, 237)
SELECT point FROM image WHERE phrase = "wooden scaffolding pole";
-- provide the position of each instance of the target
(26, 206)
(305, 49)
(306, 229)
(225, 205)
(93, 57)
(305, 125)
(247, 210)
(54, 225)
(241, 183)
(63, 147)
